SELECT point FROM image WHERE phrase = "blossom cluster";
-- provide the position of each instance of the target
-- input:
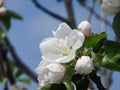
(110, 6)
(60, 49)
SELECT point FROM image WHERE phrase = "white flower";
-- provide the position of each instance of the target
(15, 87)
(84, 65)
(110, 6)
(62, 47)
(85, 28)
(50, 72)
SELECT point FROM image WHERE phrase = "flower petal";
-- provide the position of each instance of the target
(62, 31)
(49, 48)
(75, 39)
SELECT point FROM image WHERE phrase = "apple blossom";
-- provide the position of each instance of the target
(62, 47)
(2, 11)
(110, 6)
(84, 65)
(85, 28)
(50, 72)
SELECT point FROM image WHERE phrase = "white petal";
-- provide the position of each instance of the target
(67, 58)
(49, 48)
(62, 31)
(109, 9)
(76, 39)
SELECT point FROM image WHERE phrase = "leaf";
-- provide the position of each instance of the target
(96, 41)
(53, 87)
(6, 21)
(82, 2)
(1, 77)
(19, 73)
(25, 80)
(14, 15)
(111, 48)
(2, 34)
(116, 25)
(110, 59)
(81, 82)
(59, 0)
(12, 66)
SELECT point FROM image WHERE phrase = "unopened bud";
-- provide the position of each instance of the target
(84, 65)
(85, 28)
(2, 11)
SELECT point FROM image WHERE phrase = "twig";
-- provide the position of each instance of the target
(103, 25)
(97, 15)
(107, 78)
(19, 62)
(39, 6)
(70, 12)
(96, 79)
(3, 71)
(91, 11)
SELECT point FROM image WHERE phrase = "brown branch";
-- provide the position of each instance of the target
(97, 15)
(70, 12)
(96, 79)
(39, 6)
(18, 61)
(107, 78)
(91, 11)
(3, 71)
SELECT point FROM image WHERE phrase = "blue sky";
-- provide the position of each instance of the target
(27, 34)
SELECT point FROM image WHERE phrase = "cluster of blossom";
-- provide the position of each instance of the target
(2, 8)
(62, 49)
(110, 6)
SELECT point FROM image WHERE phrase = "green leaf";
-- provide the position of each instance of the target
(12, 66)
(1, 77)
(14, 15)
(111, 48)
(110, 59)
(82, 2)
(81, 82)
(19, 73)
(2, 34)
(59, 0)
(116, 25)
(69, 67)
(96, 41)
(6, 21)
(53, 87)
(25, 80)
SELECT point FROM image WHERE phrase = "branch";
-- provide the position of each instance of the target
(19, 62)
(39, 6)
(3, 71)
(97, 15)
(91, 11)
(96, 79)
(107, 77)
(70, 12)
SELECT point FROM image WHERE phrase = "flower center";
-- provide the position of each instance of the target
(65, 50)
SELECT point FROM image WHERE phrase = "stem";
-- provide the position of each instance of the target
(68, 85)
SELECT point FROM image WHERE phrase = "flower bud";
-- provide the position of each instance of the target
(84, 65)
(85, 28)
(2, 11)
